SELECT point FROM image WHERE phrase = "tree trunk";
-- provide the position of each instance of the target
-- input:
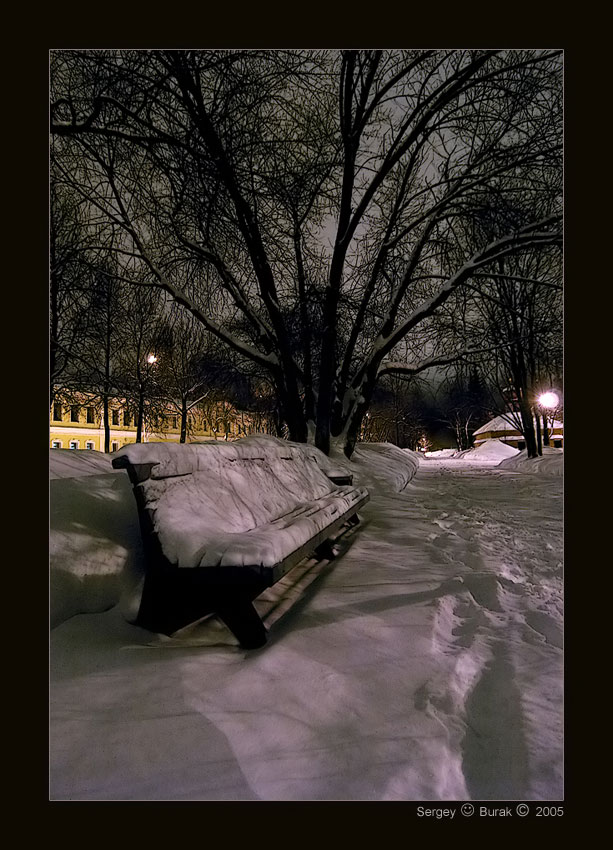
(141, 417)
(183, 437)
(545, 431)
(291, 413)
(539, 443)
(105, 419)
(525, 412)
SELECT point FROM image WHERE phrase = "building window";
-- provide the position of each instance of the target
(521, 444)
(114, 446)
(115, 417)
(89, 444)
(74, 444)
(56, 444)
(57, 412)
(126, 418)
(90, 415)
(174, 421)
(557, 444)
(74, 413)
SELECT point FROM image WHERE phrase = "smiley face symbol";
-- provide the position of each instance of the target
(467, 810)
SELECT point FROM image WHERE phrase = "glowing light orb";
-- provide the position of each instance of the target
(152, 358)
(549, 399)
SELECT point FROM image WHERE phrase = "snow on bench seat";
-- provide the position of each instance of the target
(235, 504)
(240, 515)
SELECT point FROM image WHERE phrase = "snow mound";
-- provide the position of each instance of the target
(489, 450)
(442, 453)
(380, 466)
(75, 463)
(383, 467)
(95, 550)
(551, 463)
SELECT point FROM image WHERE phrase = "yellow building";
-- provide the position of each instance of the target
(76, 423)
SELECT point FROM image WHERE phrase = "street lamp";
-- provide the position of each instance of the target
(152, 359)
(547, 401)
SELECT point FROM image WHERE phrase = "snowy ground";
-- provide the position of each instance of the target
(424, 663)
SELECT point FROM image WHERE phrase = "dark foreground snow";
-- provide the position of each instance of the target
(424, 663)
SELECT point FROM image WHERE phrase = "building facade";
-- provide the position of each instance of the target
(78, 424)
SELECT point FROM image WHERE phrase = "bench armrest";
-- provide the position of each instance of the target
(337, 476)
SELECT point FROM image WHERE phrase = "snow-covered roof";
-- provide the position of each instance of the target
(499, 423)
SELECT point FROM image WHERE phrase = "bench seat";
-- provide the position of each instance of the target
(240, 514)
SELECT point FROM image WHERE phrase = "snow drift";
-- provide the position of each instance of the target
(94, 536)
(489, 450)
(550, 463)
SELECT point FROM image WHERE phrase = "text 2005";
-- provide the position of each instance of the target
(549, 811)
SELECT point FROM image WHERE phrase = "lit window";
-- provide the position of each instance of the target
(56, 444)
(57, 412)
(90, 415)
(89, 444)
(115, 417)
(74, 444)
(74, 413)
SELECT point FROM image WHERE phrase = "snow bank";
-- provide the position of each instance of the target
(383, 467)
(489, 450)
(95, 548)
(76, 463)
(376, 465)
(442, 453)
(551, 463)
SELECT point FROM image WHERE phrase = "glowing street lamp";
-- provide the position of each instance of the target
(549, 400)
(152, 359)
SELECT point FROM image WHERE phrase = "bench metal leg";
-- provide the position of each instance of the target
(244, 622)
(325, 551)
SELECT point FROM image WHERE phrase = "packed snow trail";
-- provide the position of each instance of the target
(424, 664)
(501, 536)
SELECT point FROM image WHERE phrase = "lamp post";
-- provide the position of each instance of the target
(143, 386)
(547, 401)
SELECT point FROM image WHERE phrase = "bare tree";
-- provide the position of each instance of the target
(182, 382)
(316, 202)
(521, 308)
(142, 345)
(70, 288)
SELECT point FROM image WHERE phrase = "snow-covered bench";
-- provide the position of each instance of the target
(223, 521)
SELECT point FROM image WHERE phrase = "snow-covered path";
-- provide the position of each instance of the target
(497, 551)
(426, 664)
